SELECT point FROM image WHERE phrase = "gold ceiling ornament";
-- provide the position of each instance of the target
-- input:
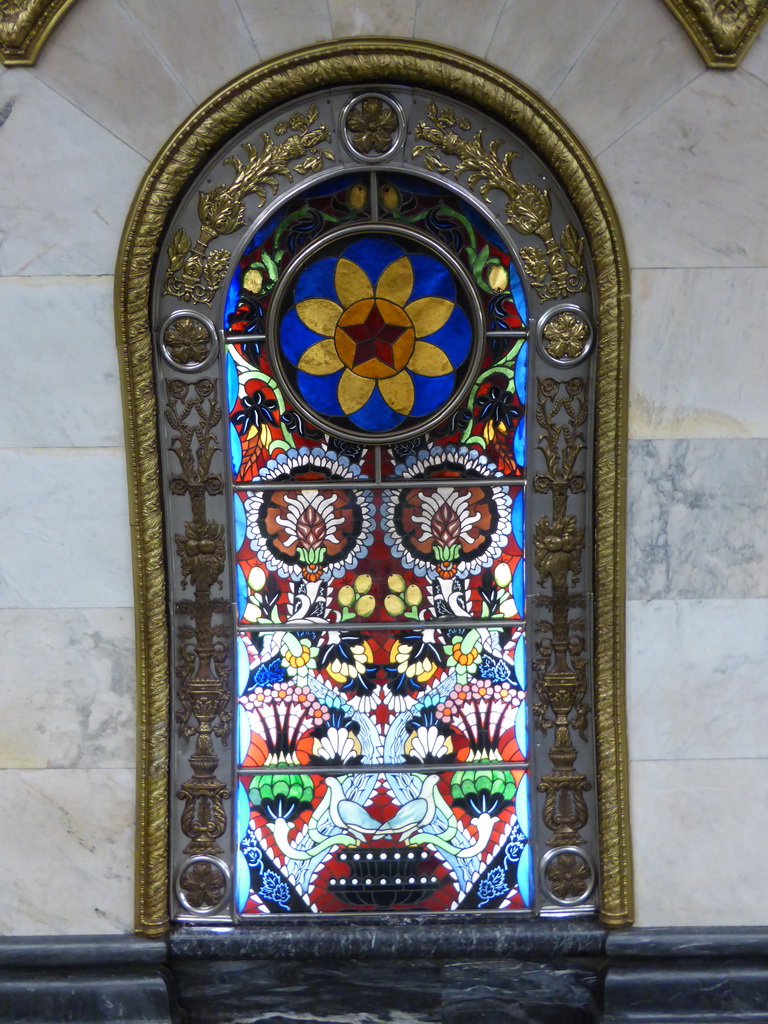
(25, 26)
(291, 79)
(722, 30)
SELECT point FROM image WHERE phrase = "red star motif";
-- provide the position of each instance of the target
(374, 338)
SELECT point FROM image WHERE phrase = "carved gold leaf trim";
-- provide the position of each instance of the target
(25, 26)
(289, 78)
(721, 30)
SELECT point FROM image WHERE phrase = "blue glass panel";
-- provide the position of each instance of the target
(320, 392)
(523, 806)
(373, 255)
(232, 382)
(235, 449)
(430, 392)
(520, 666)
(518, 294)
(518, 587)
(518, 520)
(239, 522)
(454, 337)
(244, 734)
(375, 414)
(295, 336)
(242, 882)
(243, 812)
(317, 279)
(525, 875)
(519, 442)
(242, 666)
(521, 729)
(242, 592)
(430, 278)
(521, 373)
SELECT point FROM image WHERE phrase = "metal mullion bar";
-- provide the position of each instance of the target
(375, 769)
(374, 485)
(519, 332)
(360, 627)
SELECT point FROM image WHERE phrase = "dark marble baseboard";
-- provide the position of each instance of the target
(401, 973)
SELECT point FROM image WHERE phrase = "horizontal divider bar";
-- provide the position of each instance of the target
(361, 627)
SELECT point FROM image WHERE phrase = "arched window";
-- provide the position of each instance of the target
(373, 315)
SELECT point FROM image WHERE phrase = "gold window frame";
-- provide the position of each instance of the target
(499, 95)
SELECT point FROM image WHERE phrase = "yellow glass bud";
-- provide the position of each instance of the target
(498, 278)
(346, 597)
(358, 196)
(365, 605)
(396, 583)
(253, 280)
(389, 197)
(413, 596)
(362, 583)
(394, 605)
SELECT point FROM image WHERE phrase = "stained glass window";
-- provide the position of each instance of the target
(377, 440)
(375, 434)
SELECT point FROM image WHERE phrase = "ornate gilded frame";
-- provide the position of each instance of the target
(276, 82)
(25, 26)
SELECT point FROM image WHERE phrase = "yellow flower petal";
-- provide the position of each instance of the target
(352, 283)
(429, 315)
(321, 358)
(429, 360)
(319, 315)
(397, 392)
(354, 391)
(396, 283)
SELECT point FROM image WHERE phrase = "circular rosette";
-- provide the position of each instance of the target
(309, 533)
(376, 333)
(446, 531)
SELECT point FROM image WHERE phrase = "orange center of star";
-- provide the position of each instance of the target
(374, 338)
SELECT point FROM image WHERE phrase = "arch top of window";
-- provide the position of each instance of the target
(360, 113)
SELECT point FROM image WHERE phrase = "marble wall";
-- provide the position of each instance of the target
(683, 150)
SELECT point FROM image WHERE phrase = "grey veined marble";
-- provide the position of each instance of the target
(697, 519)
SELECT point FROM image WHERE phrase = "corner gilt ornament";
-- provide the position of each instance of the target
(558, 268)
(25, 26)
(721, 30)
(194, 273)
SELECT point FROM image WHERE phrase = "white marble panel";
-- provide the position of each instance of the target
(205, 42)
(280, 25)
(467, 26)
(697, 519)
(696, 679)
(372, 17)
(698, 360)
(540, 42)
(65, 187)
(100, 61)
(67, 851)
(699, 833)
(60, 375)
(688, 180)
(64, 538)
(639, 57)
(68, 682)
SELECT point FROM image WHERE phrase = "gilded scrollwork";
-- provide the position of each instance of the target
(195, 273)
(558, 268)
(203, 665)
(721, 30)
(560, 661)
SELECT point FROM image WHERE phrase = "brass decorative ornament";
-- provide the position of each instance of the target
(569, 257)
(721, 30)
(25, 25)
